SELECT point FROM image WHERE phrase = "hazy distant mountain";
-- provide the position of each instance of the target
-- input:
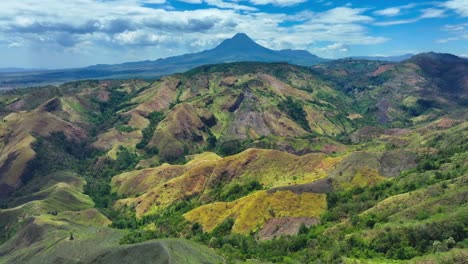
(13, 69)
(238, 48)
(386, 58)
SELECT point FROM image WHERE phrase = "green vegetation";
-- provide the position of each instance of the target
(98, 178)
(148, 132)
(235, 191)
(168, 222)
(232, 147)
(106, 115)
(125, 129)
(355, 167)
(295, 110)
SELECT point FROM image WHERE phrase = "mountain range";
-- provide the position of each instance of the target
(238, 48)
(345, 161)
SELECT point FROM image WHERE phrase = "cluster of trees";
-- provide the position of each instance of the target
(98, 177)
(233, 147)
(234, 191)
(168, 222)
(154, 118)
(420, 107)
(57, 152)
(104, 116)
(295, 110)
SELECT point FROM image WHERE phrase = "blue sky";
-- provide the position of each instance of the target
(75, 33)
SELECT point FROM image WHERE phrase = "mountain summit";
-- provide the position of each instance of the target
(242, 48)
(238, 48)
(240, 42)
(238, 39)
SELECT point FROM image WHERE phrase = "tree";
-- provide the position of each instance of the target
(303, 229)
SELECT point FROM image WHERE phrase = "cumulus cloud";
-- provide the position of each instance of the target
(122, 30)
(338, 25)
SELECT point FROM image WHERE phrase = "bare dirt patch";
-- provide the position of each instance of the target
(276, 227)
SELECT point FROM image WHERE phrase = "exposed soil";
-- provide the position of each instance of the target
(17, 106)
(285, 226)
(320, 186)
(381, 70)
(382, 114)
(229, 81)
(445, 123)
(103, 95)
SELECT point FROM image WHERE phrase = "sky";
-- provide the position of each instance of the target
(74, 33)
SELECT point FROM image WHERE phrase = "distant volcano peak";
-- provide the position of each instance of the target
(242, 37)
(240, 42)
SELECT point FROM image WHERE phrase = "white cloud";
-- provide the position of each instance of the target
(391, 11)
(457, 32)
(395, 11)
(277, 2)
(446, 40)
(221, 4)
(459, 6)
(15, 45)
(324, 2)
(139, 37)
(343, 15)
(335, 47)
(432, 13)
(191, 1)
(425, 14)
(123, 30)
(333, 50)
(153, 1)
(397, 22)
(228, 5)
(455, 28)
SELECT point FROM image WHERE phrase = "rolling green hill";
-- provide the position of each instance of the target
(348, 161)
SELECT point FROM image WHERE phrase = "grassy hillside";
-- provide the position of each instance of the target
(350, 161)
(58, 223)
